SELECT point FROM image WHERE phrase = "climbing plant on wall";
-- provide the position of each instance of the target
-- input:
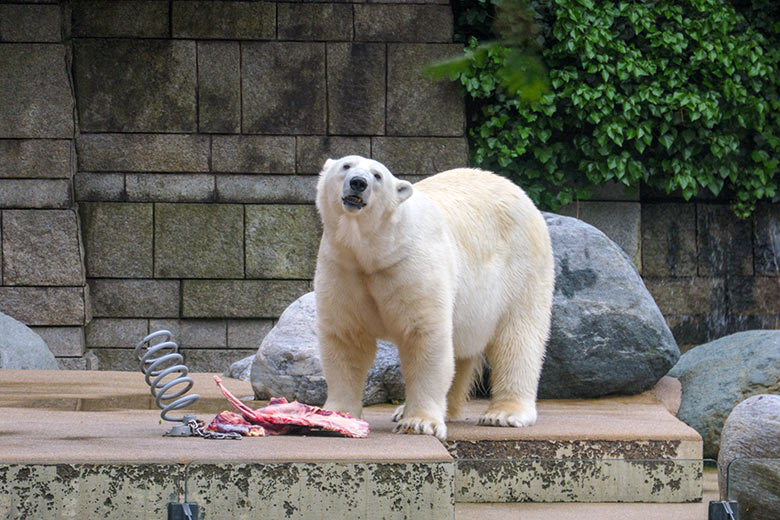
(682, 96)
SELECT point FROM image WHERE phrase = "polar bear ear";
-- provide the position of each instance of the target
(404, 190)
(327, 165)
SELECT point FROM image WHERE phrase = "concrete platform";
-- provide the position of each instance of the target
(98, 434)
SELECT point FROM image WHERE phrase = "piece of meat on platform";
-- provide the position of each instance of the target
(231, 422)
(281, 417)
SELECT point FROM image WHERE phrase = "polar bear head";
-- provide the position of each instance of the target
(354, 185)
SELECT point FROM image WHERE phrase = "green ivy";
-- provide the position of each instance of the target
(681, 96)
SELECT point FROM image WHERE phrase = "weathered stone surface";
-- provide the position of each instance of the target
(169, 187)
(723, 241)
(38, 158)
(417, 105)
(63, 341)
(21, 348)
(288, 362)
(283, 88)
(239, 298)
(35, 193)
(41, 248)
(44, 305)
(243, 334)
(253, 154)
(753, 295)
(420, 156)
(86, 362)
(120, 18)
(99, 186)
(766, 244)
(209, 360)
(750, 432)
(118, 239)
(30, 23)
(135, 85)
(312, 21)
(135, 298)
(194, 333)
(718, 375)
(282, 241)
(143, 153)
(313, 151)
(276, 189)
(219, 87)
(199, 241)
(115, 333)
(356, 88)
(35, 95)
(241, 369)
(620, 221)
(223, 20)
(668, 239)
(607, 334)
(403, 23)
(691, 295)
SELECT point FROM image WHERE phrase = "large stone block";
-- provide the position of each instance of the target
(312, 21)
(90, 186)
(44, 305)
(356, 88)
(135, 298)
(21, 348)
(118, 239)
(212, 360)
(135, 85)
(253, 154)
(120, 18)
(41, 248)
(42, 159)
(194, 333)
(240, 298)
(766, 243)
(35, 193)
(170, 187)
(115, 333)
(223, 20)
(692, 295)
(420, 156)
(35, 94)
(404, 23)
(30, 23)
(753, 295)
(247, 334)
(283, 88)
(63, 341)
(282, 241)
(313, 151)
(668, 239)
(417, 105)
(620, 221)
(270, 189)
(219, 87)
(143, 153)
(199, 241)
(724, 242)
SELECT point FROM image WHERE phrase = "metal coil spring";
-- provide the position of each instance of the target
(161, 367)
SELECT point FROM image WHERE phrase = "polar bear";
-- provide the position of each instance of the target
(452, 269)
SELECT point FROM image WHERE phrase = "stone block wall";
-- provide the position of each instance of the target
(199, 130)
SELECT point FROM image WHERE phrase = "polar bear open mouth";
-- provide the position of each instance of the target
(353, 201)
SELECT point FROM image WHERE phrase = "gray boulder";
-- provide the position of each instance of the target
(751, 432)
(717, 375)
(287, 364)
(21, 348)
(608, 335)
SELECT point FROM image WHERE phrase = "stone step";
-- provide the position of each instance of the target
(89, 444)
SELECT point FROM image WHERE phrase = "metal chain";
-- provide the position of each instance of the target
(197, 430)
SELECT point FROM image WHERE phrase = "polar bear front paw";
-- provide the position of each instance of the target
(514, 415)
(399, 413)
(421, 425)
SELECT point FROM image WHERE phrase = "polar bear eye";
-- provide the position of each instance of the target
(347, 166)
(377, 176)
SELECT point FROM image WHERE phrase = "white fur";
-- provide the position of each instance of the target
(456, 267)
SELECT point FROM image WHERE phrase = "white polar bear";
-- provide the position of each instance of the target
(456, 267)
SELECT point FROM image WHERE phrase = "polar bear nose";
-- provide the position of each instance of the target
(358, 184)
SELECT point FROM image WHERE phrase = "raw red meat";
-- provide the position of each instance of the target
(281, 417)
(230, 422)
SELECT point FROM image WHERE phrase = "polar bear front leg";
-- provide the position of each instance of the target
(345, 364)
(428, 365)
